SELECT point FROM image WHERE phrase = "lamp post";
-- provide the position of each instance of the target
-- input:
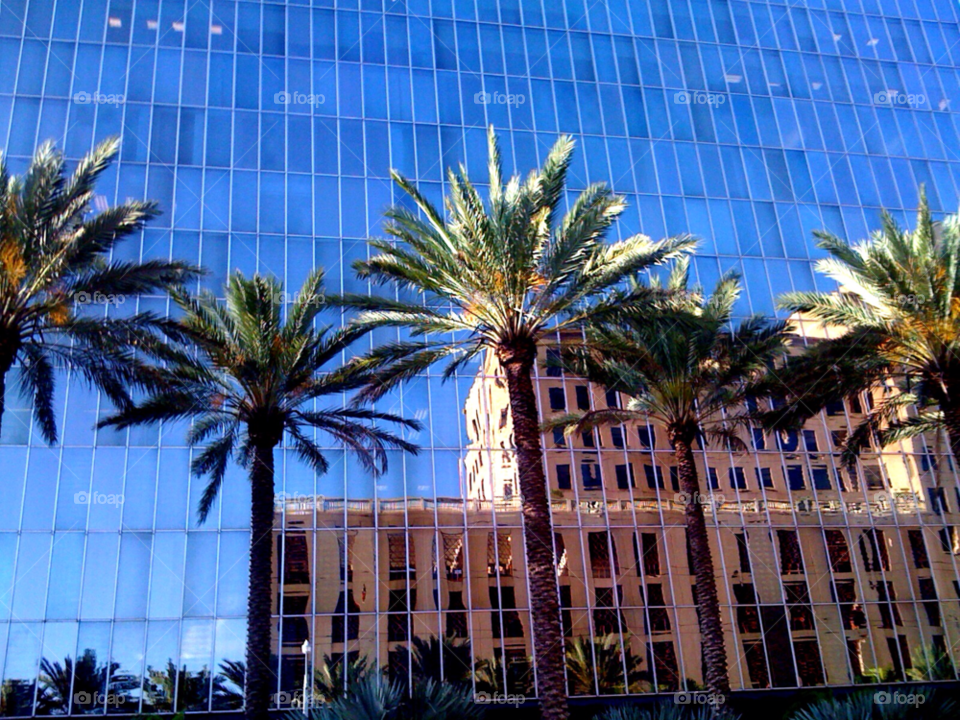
(305, 648)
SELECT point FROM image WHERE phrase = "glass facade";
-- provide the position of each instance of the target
(266, 132)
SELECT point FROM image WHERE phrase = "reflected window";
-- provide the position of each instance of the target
(402, 554)
(791, 561)
(919, 549)
(453, 555)
(557, 399)
(838, 551)
(499, 554)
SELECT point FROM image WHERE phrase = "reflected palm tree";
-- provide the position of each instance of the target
(16, 697)
(447, 659)
(89, 680)
(160, 687)
(333, 677)
(489, 674)
(607, 655)
(930, 663)
(194, 689)
(228, 685)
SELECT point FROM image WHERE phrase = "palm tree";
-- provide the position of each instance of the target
(664, 710)
(609, 673)
(899, 303)
(870, 704)
(493, 675)
(84, 682)
(333, 678)
(499, 276)
(375, 697)
(54, 261)
(228, 685)
(683, 368)
(444, 659)
(251, 378)
(930, 663)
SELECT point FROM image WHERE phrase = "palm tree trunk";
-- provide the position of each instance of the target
(260, 680)
(3, 391)
(517, 364)
(711, 628)
(7, 356)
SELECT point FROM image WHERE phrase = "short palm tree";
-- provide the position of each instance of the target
(375, 697)
(684, 368)
(332, 678)
(930, 663)
(444, 659)
(882, 705)
(54, 260)
(899, 303)
(597, 666)
(499, 275)
(664, 710)
(250, 378)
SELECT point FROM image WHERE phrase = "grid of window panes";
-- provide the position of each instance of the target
(266, 132)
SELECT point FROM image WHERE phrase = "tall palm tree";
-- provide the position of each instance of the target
(54, 261)
(684, 368)
(899, 303)
(250, 378)
(499, 275)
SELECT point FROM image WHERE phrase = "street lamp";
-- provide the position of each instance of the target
(305, 648)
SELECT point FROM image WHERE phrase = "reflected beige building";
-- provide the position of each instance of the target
(823, 572)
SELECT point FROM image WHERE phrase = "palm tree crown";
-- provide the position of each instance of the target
(502, 273)
(55, 258)
(898, 311)
(681, 366)
(256, 375)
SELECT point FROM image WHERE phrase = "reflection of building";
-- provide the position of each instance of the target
(823, 572)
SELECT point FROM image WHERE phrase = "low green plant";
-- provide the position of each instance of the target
(876, 674)
(897, 703)
(666, 710)
(374, 697)
(930, 663)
